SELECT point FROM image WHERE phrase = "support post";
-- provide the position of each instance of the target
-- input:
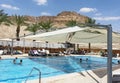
(12, 47)
(89, 47)
(109, 50)
(24, 44)
(77, 47)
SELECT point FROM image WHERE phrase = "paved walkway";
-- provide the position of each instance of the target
(91, 76)
(13, 56)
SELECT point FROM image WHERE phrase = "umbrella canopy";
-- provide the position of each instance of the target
(76, 35)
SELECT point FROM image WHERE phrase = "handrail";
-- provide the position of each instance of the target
(31, 72)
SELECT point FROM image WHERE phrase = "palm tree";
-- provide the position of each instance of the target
(46, 25)
(4, 18)
(71, 23)
(33, 28)
(19, 21)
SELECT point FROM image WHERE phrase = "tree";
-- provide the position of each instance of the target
(46, 25)
(33, 28)
(4, 18)
(71, 23)
(90, 21)
(19, 21)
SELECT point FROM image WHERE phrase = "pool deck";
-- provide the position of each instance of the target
(90, 76)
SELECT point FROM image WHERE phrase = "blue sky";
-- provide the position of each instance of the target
(103, 11)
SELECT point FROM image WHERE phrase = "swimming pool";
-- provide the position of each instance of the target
(49, 66)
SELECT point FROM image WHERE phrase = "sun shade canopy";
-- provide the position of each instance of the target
(76, 35)
(62, 31)
(51, 36)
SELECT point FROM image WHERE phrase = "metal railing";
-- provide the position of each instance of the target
(34, 68)
(25, 43)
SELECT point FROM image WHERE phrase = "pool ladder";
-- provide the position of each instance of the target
(34, 68)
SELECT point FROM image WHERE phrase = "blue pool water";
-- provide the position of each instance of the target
(50, 66)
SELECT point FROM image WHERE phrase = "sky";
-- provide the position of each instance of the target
(103, 11)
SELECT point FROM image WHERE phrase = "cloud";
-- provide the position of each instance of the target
(45, 14)
(107, 18)
(41, 2)
(87, 10)
(98, 14)
(9, 6)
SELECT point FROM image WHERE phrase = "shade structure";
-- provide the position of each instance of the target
(86, 37)
(55, 36)
(107, 37)
(76, 35)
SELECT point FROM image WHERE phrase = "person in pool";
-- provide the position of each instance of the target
(80, 60)
(118, 61)
(86, 59)
(20, 61)
(16, 57)
(14, 61)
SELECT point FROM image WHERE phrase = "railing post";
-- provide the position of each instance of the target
(39, 74)
(31, 72)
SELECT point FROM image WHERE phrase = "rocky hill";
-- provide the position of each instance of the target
(59, 21)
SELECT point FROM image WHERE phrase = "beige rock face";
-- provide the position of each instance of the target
(61, 19)
(10, 31)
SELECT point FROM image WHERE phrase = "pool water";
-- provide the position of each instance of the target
(49, 66)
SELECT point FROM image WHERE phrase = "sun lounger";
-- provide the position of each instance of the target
(116, 78)
(1, 52)
(37, 53)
